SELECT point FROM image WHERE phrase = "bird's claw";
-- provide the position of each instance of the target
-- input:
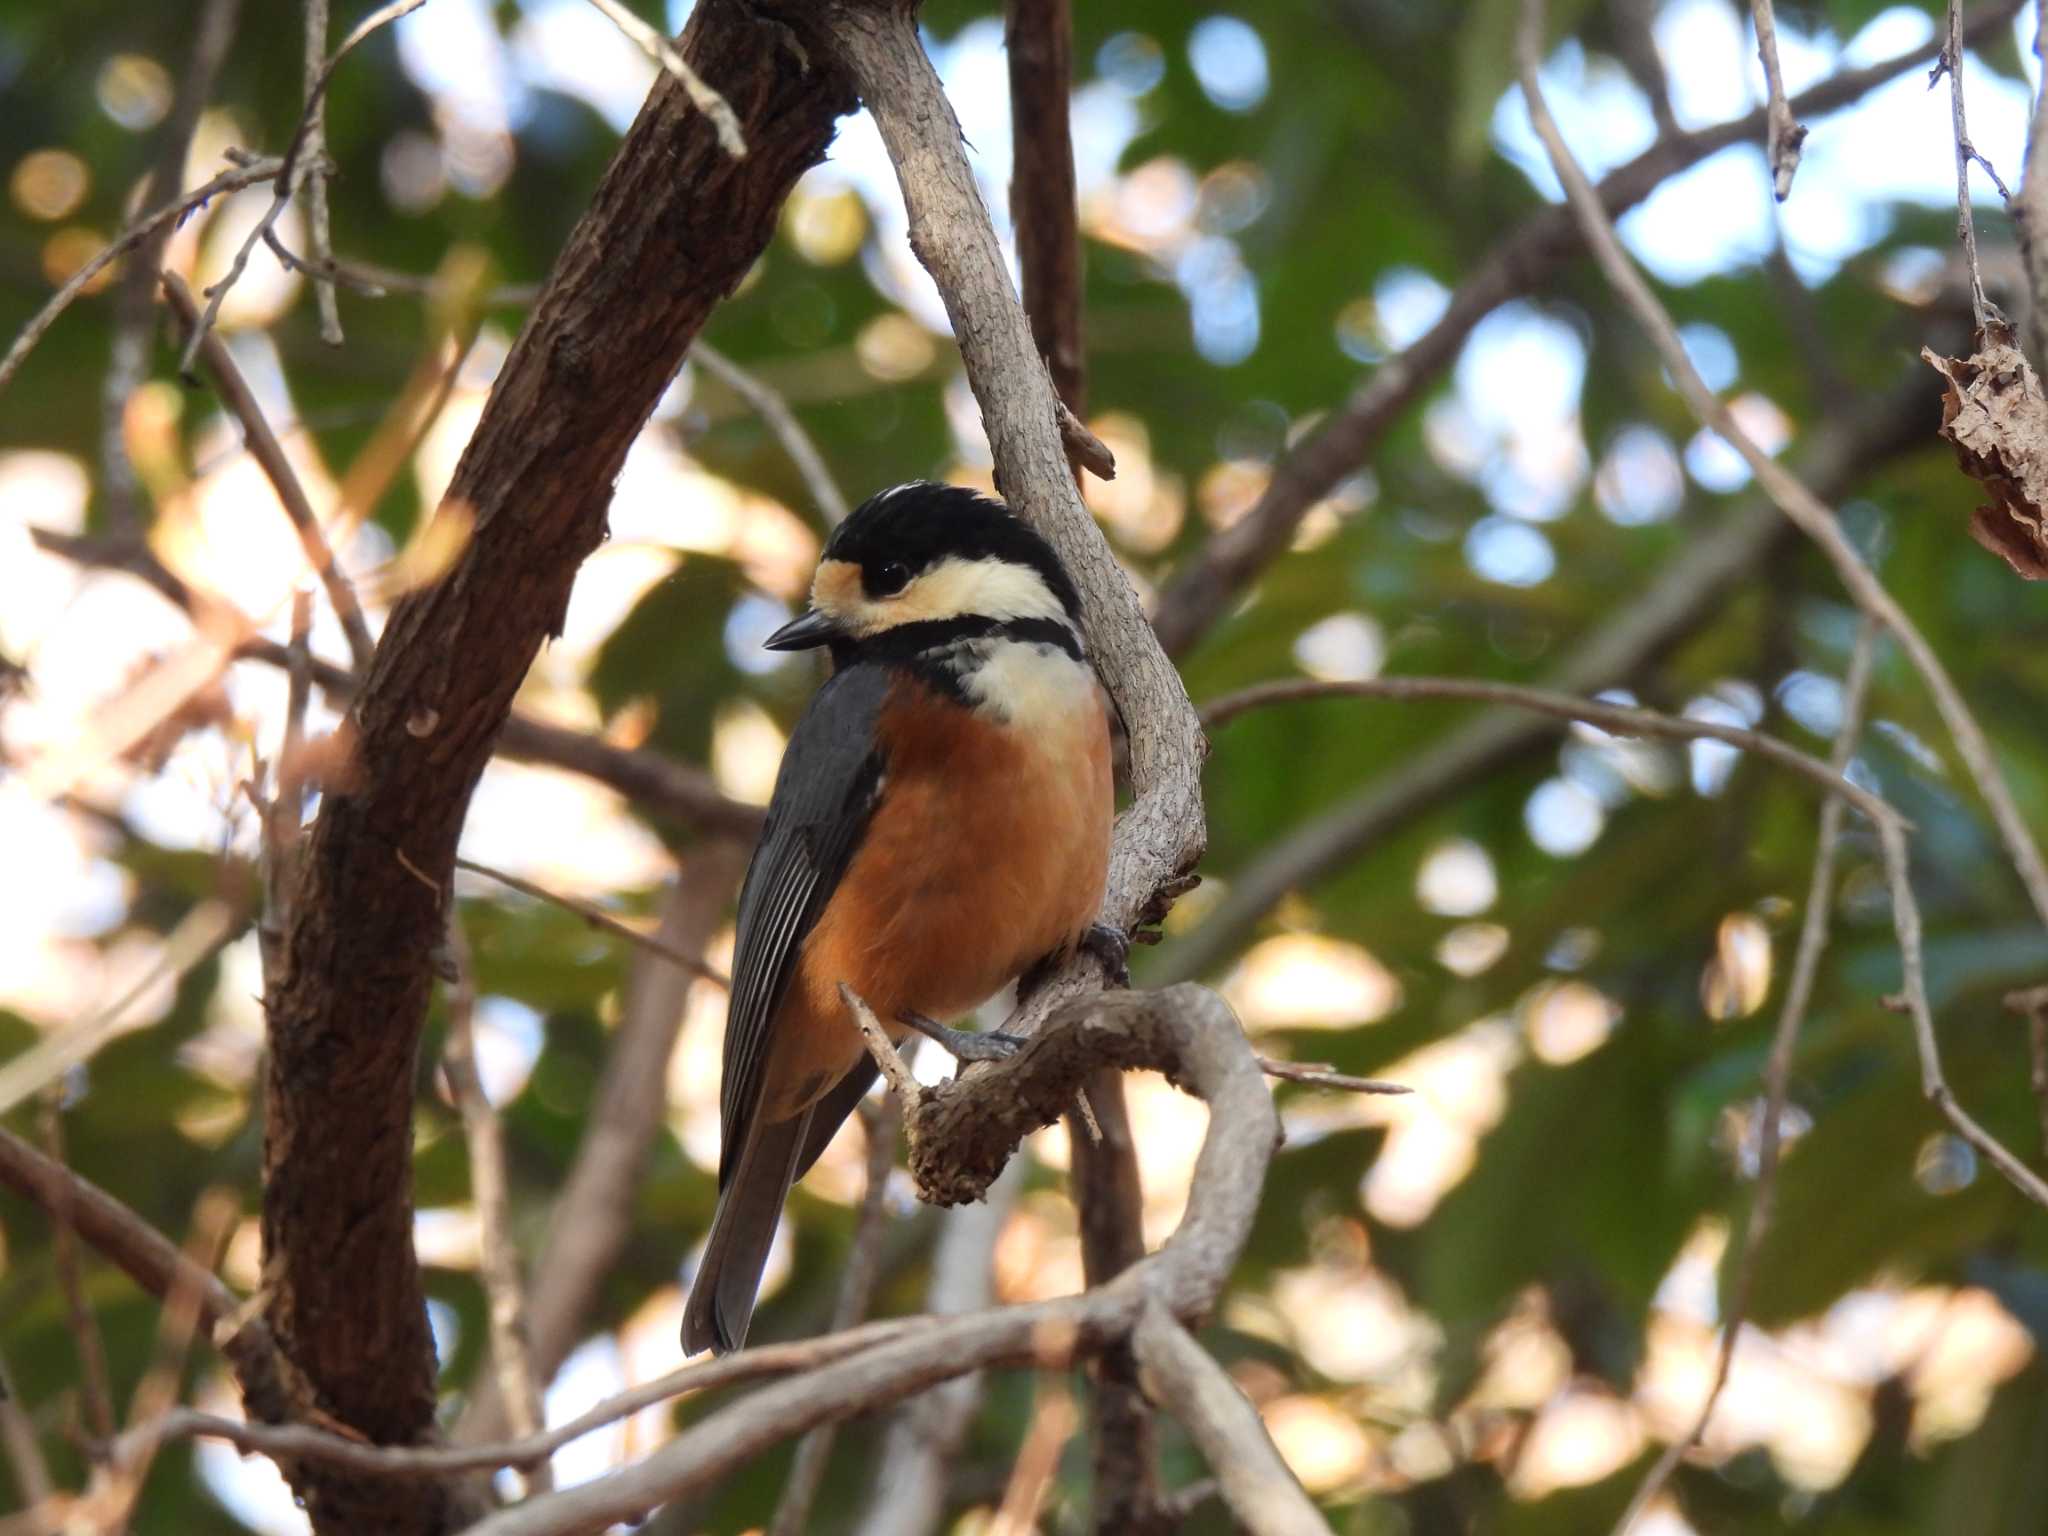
(1112, 946)
(966, 1045)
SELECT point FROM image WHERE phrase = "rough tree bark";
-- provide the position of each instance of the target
(673, 227)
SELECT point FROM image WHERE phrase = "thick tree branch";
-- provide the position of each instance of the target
(1229, 562)
(1257, 1485)
(1163, 833)
(674, 225)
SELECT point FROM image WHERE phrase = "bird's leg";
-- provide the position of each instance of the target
(1112, 946)
(965, 1045)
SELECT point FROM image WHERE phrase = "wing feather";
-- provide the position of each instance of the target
(824, 795)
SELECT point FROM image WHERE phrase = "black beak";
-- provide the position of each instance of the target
(804, 633)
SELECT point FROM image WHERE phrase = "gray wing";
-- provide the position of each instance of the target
(824, 795)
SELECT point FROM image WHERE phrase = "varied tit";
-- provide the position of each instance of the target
(940, 825)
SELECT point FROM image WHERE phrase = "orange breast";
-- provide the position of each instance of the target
(988, 851)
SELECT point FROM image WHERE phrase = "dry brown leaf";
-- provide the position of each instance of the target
(1995, 414)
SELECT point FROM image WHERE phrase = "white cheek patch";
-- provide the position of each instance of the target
(993, 589)
(1034, 688)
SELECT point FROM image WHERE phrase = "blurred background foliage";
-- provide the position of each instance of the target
(1480, 1308)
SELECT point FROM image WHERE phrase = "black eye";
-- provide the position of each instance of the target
(888, 579)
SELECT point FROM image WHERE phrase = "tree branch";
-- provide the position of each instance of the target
(592, 1216)
(1813, 939)
(654, 782)
(135, 304)
(1784, 134)
(1681, 598)
(1817, 520)
(881, 1121)
(2030, 209)
(1232, 559)
(1163, 833)
(254, 173)
(269, 453)
(1178, 1374)
(152, 1261)
(918, 1453)
(534, 483)
(1038, 37)
(781, 420)
(961, 1134)
(518, 1384)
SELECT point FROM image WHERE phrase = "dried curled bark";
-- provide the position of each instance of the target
(1997, 417)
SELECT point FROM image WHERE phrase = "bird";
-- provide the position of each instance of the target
(939, 827)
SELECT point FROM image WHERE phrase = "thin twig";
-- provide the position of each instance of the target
(592, 1218)
(289, 168)
(1785, 134)
(135, 235)
(1179, 1375)
(304, 1442)
(774, 410)
(1317, 1075)
(1811, 515)
(895, 1071)
(2032, 1004)
(881, 1122)
(1204, 589)
(664, 53)
(213, 1219)
(32, 1479)
(95, 1383)
(1813, 938)
(2030, 209)
(1686, 593)
(1053, 1417)
(502, 1274)
(597, 917)
(201, 933)
(1982, 310)
(1818, 521)
(919, 1453)
(654, 782)
(268, 452)
(282, 817)
(135, 304)
(1619, 719)
(319, 228)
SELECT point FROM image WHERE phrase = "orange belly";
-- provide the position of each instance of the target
(988, 851)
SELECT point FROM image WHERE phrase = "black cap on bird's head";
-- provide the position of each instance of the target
(923, 552)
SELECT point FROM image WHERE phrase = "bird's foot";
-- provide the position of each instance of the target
(1112, 946)
(965, 1045)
